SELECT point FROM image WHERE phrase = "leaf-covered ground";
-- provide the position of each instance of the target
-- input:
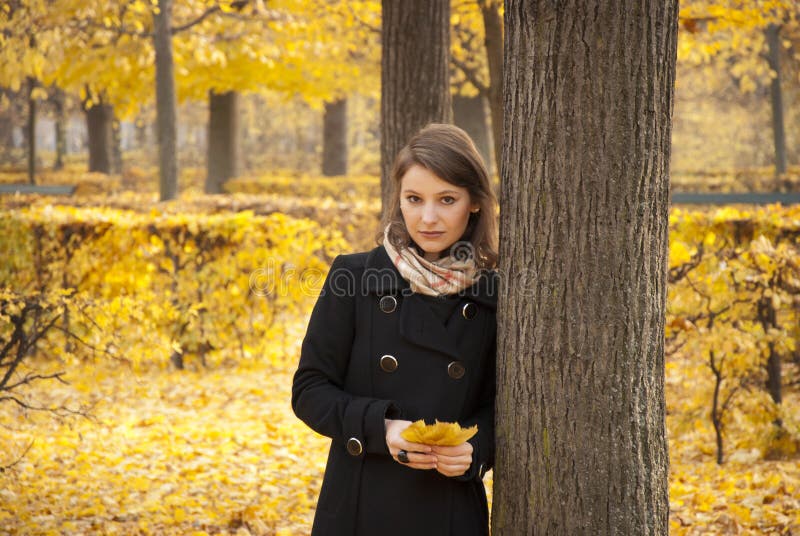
(168, 453)
(220, 452)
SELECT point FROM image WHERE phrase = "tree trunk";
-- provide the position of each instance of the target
(776, 100)
(59, 103)
(101, 138)
(415, 77)
(581, 439)
(334, 138)
(166, 102)
(142, 130)
(469, 113)
(116, 144)
(223, 140)
(493, 32)
(768, 317)
(31, 131)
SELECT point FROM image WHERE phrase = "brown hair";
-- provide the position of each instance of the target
(448, 152)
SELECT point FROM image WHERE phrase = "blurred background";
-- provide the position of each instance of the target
(157, 275)
(290, 72)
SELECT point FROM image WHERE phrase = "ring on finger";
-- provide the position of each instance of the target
(402, 456)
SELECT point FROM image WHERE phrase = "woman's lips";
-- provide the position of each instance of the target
(429, 234)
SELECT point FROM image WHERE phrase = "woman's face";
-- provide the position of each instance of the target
(435, 212)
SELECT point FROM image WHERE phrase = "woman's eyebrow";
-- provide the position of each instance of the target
(443, 192)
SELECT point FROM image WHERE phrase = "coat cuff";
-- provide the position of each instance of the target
(364, 430)
(375, 425)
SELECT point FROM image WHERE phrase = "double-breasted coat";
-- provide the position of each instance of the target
(374, 350)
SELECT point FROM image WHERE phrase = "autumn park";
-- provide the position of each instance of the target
(178, 176)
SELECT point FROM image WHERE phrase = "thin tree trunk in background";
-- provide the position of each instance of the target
(101, 139)
(223, 140)
(493, 35)
(116, 144)
(31, 131)
(166, 103)
(776, 100)
(415, 77)
(334, 138)
(469, 113)
(141, 127)
(768, 317)
(7, 120)
(59, 103)
(580, 409)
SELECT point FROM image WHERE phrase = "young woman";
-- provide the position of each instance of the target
(405, 332)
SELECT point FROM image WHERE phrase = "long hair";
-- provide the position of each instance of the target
(449, 153)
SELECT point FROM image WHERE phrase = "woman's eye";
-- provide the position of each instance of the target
(412, 198)
(448, 200)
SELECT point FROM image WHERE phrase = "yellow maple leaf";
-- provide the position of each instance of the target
(439, 433)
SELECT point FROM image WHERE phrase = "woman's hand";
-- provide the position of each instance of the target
(453, 461)
(419, 455)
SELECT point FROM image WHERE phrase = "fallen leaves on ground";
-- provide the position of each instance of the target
(203, 452)
(219, 452)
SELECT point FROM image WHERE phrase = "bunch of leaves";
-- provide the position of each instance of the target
(438, 433)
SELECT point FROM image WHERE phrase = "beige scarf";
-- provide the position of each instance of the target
(447, 275)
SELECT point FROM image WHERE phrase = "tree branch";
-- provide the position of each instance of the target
(469, 72)
(4, 468)
(195, 22)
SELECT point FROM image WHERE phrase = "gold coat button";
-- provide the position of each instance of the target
(388, 304)
(456, 370)
(469, 311)
(388, 363)
(354, 446)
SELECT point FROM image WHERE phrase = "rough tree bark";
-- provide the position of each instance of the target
(581, 446)
(223, 140)
(415, 78)
(166, 102)
(776, 99)
(469, 113)
(334, 138)
(493, 40)
(101, 138)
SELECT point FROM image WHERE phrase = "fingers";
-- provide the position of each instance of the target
(400, 443)
(453, 461)
(452, 469)
(418, 460)
(464, 449)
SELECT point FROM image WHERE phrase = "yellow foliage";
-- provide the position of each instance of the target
(228, 281)
(439, 433)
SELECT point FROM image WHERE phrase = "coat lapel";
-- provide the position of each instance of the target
(418, 323)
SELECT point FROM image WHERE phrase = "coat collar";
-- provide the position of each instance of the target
(382, 277)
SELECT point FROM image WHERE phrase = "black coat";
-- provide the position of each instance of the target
(375, 350)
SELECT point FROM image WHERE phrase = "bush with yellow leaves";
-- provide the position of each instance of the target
(165, 286)
(733, 325)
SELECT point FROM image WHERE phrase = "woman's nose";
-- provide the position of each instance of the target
(429, 214)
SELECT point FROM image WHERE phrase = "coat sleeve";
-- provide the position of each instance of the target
(483, 441)
(318, 395)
